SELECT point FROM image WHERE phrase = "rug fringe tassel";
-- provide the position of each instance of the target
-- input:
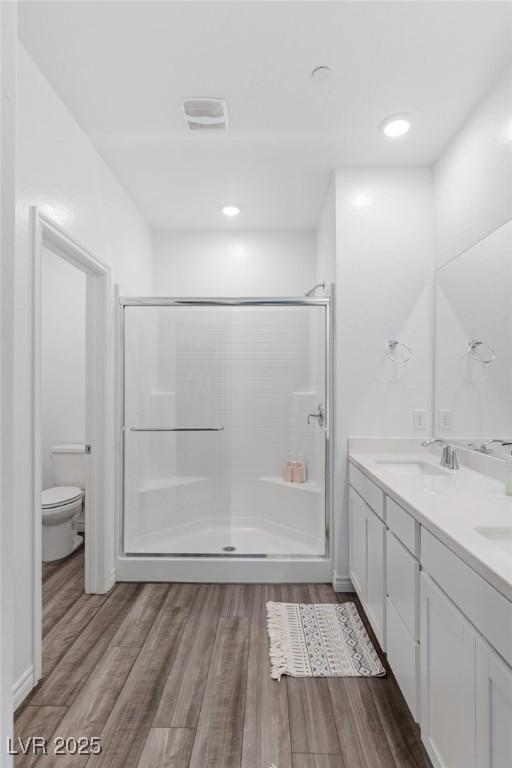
(279, 650)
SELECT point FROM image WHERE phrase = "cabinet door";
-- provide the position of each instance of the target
(358, 544)
(493, 709)
(403, 658)
(375, 605)
(448, 654)
(403, 583)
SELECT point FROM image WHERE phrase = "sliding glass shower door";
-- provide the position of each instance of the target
(217, 399)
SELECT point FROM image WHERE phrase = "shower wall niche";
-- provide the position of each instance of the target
(216, 398)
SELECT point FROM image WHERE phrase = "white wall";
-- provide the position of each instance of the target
(59, 171)
(62, 356)
(473, 177)
(326, 238)
(234, 263)
(8, 39)
(384, 275)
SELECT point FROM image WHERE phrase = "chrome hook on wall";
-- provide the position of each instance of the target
(489, 354)
(394, 346)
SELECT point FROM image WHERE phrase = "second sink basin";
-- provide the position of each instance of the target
(502, 537)
(411, 467)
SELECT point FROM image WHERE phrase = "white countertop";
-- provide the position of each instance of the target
(450, 506)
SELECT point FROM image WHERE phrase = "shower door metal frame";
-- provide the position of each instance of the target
(279, 301)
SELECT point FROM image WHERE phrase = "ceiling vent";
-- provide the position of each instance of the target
(206, 114)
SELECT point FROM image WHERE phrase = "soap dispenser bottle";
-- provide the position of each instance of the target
(299, 469)
(288, 469)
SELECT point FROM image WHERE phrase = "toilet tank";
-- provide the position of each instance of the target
(68, 464)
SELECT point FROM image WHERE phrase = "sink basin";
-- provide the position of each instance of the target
(502, 537)
(411, 467)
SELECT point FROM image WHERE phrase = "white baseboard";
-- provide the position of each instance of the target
(341, 583)
(22, 687)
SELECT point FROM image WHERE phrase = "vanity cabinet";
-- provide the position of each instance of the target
(446, 630)
(367, 561)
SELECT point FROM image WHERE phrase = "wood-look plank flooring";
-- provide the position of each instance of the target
(177, 676)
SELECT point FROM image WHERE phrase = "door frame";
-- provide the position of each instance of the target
(99, 415)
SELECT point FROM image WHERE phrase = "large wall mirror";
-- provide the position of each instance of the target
(473, 346)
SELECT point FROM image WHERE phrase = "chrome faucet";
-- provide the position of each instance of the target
(449, 457)
(484, 448)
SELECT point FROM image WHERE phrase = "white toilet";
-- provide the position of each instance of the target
(62, 505)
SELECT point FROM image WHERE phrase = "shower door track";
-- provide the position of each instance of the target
(277, 301)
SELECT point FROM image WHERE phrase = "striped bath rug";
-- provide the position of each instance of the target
(321, 640)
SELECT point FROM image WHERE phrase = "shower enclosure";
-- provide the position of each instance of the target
(217, 395)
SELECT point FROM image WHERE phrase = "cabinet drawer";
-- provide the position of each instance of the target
(403, 583)
(484, 606)
(403, 525)
(370, 492)
(403, 658)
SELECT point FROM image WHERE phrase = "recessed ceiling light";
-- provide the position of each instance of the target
(230, 210)
(320, 74)
(396, 126)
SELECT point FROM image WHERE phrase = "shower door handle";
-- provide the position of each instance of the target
(319, 416)
(176, 429)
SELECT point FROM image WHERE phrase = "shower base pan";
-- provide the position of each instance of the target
(234, 538)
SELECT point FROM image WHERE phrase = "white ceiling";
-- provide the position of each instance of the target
(122, 68)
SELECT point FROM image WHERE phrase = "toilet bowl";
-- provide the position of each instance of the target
(60, 506)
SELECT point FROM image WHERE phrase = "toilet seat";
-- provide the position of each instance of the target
(59, 496)
(60, 504)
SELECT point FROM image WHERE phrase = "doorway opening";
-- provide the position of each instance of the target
(73, 378)
(63, 446)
